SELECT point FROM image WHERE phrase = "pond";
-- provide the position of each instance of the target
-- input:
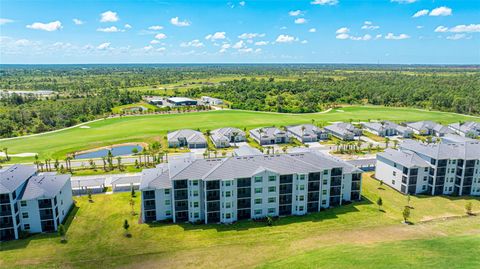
(116, 151)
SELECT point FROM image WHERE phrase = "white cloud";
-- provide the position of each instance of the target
(457, 36)
(465, 28)
(300, 21)
(242, 3)
(368, 25)
(285, 39)
(342, 30)
(404, 1)
(261, 43)
(342, 36)
(127, 26)
(78, 21)
(148, 48)
(194, 43)
(250, 35)
(177, 22)
(215, 36)
(49, 27)
(378, 36)
(441, 11)
(391, 36)
(240, 44)
(441, 29)
(5, 21)
(103, 46)
(324, 2)
(304, 41)
(295, 13)
(109, 16)
(155, 27)
(312, 30)
(160, 36)
(420, 13)
(162, 49)
(153, 42)
(23, 42)
(245, 50)
(111, 29)
(419, 26)
(361, 38)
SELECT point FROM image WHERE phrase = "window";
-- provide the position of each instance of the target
(300, 208)
(196, 215)
(272, 189)
(195, 204)
(393, 182)
(424, 187)
(228, 205)
(258, 190)
(324, 202)
(325, 182)
(426, 169)
(26, 226)
(301, 198)
(195, 193)
(271, 211)
(425, 178)
(258, 179)
(325, 172)
(272, 178)
(228, 193)
(23, 203)
(258, 201)
(167, 191)
(271, 199)
(25, 215)
(167, 202)
(258, 212)
(394, 173)
(324, 192)
(228, 183)
(195, 182)
(301, 177)
(228, 215)
(302, 187)
(168, 213)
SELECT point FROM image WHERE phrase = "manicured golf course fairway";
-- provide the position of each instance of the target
(153, 127)
(357, 235)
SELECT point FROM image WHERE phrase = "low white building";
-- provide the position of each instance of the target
(344, 131)
(186, 138)
(269, 136)
(468, 129)
(307, 133)
(207, 100)
(224, 137)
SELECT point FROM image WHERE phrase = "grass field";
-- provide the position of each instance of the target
(339, 235)
(154, 127)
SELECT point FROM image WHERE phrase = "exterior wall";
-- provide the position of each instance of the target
(33, 218)
(195, 206)
(300, 197)
(387, 172)
(264, 208)
(228, 201)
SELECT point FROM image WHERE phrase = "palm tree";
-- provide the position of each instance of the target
(104, 159)
(387, 141)
(395, 143)
(234, 134)
(119, 162)
(370, 147)
(5, 150)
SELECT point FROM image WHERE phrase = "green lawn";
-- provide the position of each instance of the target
(95, 237)
(124, 108)
(153, 127)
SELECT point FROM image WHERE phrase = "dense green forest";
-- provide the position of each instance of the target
(86, 92)
(454, 93)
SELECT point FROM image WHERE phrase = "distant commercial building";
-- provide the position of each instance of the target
(307, 133)
(269, 135)
(186, 138)
(32, 202)
(468, 129)
(224, 190)
(211, 101)
(181, 101)
(224, 137)
(433, 169)
(344, 131)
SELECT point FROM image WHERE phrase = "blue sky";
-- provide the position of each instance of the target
(256, 31)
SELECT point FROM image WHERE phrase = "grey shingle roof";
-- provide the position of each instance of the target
(188, 134)
(309, 130)
(404, 158)
(12, 177)
(267, 132)
(466, 150)
(228, 131)
(156, 178)
(246, 150)
(44, 186)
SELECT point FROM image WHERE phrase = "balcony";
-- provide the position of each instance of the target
(45, 203)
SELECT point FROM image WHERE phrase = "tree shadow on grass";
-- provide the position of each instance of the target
(24, 242)
(243, 225)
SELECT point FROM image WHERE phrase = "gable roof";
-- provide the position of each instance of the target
(189, 134)
(464, 150)
(44, 186)
(309, 130)
(268, 132)
(404, 158)
(14, 176)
